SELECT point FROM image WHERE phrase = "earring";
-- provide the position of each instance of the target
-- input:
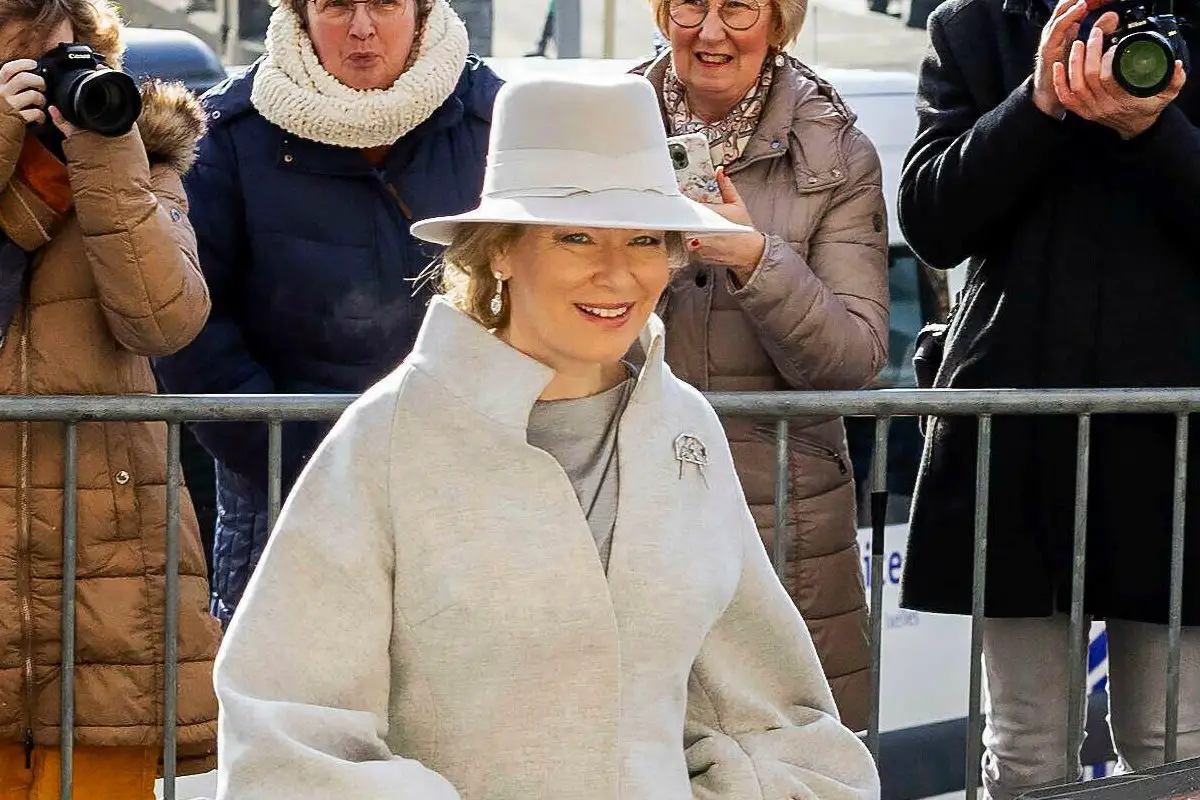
(498, 297)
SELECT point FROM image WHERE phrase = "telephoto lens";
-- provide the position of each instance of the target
(1146, 45)
(1144, 63)
(89, 93)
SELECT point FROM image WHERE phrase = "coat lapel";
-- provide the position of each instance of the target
(657, 580)
(646, 503)
(649, 540)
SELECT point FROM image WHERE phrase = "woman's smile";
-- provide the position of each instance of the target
(607, 315)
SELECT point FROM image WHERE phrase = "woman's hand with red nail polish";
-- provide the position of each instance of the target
(740, 252)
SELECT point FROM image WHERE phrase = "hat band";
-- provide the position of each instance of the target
(546, 172)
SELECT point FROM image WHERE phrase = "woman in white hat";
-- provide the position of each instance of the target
(526, 569)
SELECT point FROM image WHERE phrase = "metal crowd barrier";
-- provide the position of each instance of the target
(883, 405)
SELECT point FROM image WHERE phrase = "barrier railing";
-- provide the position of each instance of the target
(882, 405)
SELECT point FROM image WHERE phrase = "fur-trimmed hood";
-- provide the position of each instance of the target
(171, 124)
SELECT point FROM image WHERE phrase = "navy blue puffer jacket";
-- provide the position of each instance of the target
(312, 271)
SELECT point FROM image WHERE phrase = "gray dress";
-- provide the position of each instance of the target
(581, 434)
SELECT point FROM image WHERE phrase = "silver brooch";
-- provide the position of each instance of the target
(690, 450)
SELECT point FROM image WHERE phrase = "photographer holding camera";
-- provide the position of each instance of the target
(1071, 192)
(98, 272)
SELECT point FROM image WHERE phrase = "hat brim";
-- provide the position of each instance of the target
(618, 209)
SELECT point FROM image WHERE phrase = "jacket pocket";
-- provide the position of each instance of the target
(804, 445)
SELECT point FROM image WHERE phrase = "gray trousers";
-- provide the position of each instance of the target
(1026, 677)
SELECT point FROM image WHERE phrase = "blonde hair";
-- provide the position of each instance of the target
(786, 21)
(466, 278)
(466, 270)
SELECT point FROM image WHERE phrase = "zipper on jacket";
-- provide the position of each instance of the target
(24, 588)
(825, 452)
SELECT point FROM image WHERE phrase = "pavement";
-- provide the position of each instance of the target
(837, 33)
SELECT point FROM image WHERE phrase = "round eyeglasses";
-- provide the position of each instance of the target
(738, 15)
(342, 11)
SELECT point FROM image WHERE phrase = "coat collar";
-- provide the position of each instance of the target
(499, 381)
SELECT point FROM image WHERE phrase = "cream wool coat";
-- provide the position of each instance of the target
(431, 621)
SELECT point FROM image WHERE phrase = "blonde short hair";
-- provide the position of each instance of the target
(466, 278)
(788, 19)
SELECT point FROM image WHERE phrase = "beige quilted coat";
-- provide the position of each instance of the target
(814, 315)
(113, 281)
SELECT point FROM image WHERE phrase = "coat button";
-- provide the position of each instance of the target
(813, 179)
(287, 158)
(176, 215)
(216, 115)
(122, 477)
(837, 173)
(775, 145)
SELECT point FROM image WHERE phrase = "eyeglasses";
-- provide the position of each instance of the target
(342, 11)
(739, 15)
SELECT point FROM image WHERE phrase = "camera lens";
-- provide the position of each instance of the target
(679, 156)
(104, 101)
(1144, 63)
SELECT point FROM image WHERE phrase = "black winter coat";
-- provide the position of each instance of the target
(1085, 272)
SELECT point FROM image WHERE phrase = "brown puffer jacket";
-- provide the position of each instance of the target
(814, 315)
(112, 281)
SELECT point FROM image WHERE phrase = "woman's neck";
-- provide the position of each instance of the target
(584, 382)
(713, 109)
(571, 379)
(377, 155)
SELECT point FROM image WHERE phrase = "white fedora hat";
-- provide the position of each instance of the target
(592, 154)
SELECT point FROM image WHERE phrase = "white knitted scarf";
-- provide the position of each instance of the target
(293, 90)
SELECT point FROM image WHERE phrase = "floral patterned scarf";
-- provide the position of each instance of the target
(729, 136)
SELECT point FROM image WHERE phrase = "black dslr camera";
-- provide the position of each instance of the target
(88, 92)
(1148, 43)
